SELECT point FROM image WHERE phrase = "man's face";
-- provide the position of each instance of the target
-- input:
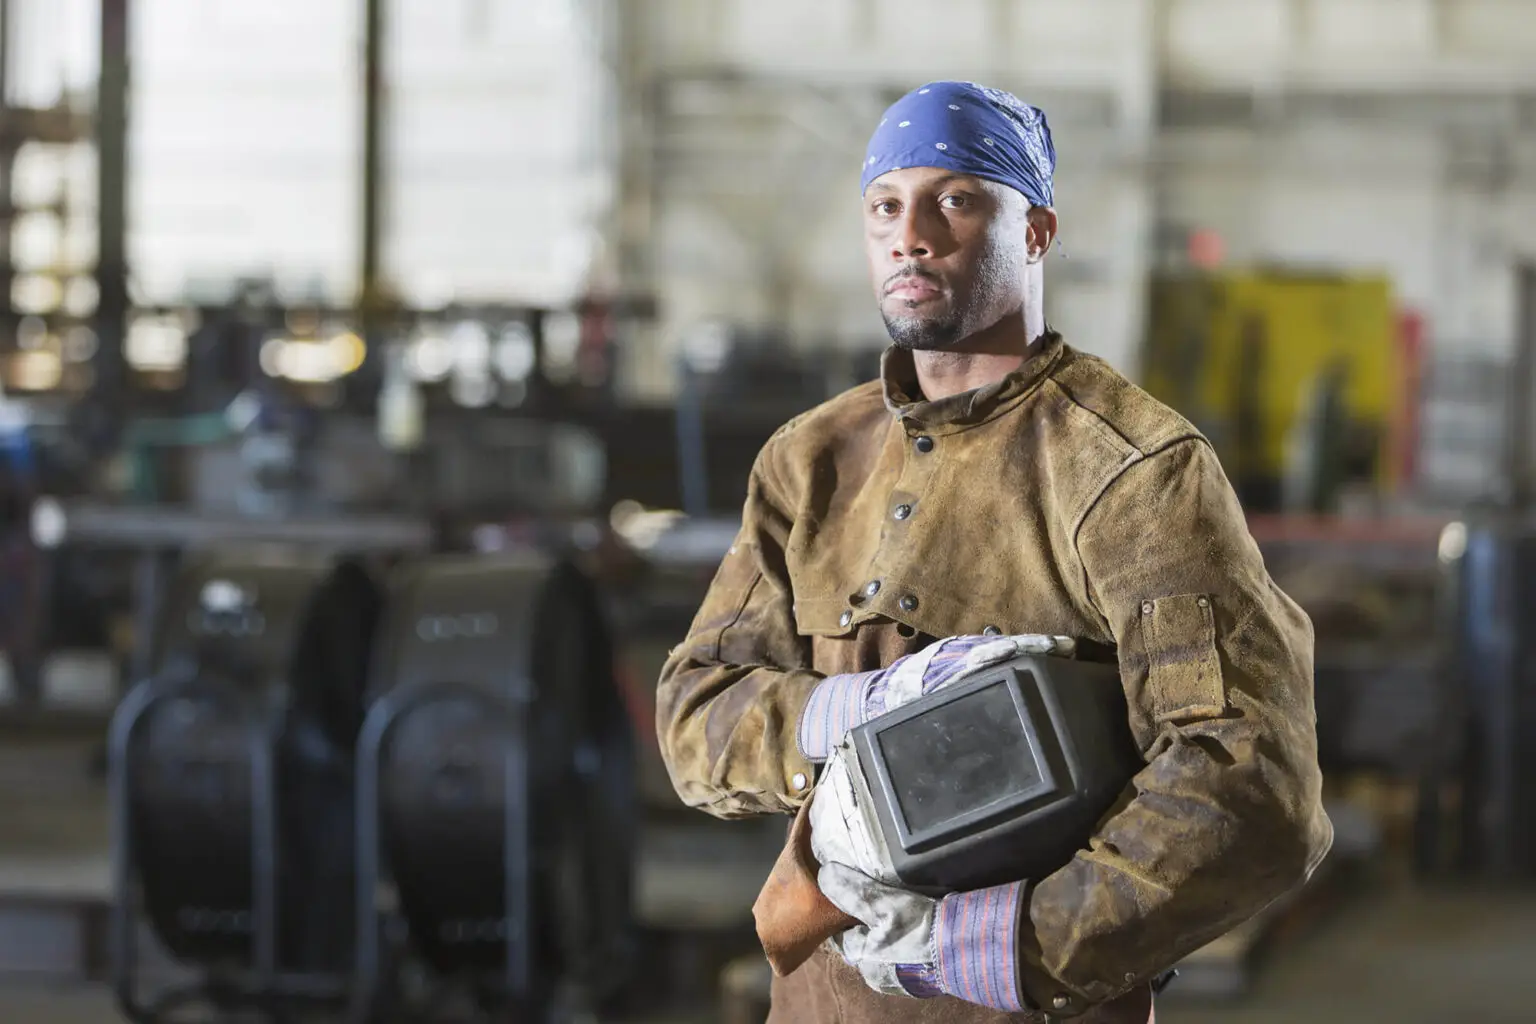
(947, 254)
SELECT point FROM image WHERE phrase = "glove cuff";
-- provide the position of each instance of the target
(921, 981)
(976, 946)
(836, 705)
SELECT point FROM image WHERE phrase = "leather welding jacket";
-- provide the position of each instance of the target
(1061, 500)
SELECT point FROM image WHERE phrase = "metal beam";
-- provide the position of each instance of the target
(7, 169)
(373, 155)
(111, 383)
(56, 523)
(1521, 447)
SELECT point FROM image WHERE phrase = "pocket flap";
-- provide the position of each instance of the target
(1183, 666)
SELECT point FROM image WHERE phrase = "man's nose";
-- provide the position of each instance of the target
(911, 239)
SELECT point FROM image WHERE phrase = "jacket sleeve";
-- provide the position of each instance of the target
(731, 695)
(1217, 665)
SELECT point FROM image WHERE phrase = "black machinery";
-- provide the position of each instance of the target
(1487, 742)
(231, 782)
(496, 790)
(261, 807)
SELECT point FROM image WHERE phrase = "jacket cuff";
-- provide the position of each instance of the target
(835, 706)
(976, 939)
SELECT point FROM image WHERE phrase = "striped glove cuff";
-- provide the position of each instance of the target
(976, 939)
(837, 704)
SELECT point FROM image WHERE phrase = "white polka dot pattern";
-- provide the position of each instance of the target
(969, 128)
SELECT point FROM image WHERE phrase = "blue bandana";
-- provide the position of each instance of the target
(970, 129)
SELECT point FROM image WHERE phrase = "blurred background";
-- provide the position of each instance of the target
(338, 337)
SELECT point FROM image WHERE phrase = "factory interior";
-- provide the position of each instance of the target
(380, 382)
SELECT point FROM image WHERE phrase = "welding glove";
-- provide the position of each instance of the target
(964, 945)
(906, 943)
(841, 702)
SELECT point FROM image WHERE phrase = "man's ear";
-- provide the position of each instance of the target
(1042, 232)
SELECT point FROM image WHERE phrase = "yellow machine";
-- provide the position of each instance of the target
(1296, 379)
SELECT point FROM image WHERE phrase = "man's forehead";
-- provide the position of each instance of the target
(920, 177)
(910, 180)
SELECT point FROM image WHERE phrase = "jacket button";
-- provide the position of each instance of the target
(902, 511)
(991, 631)
(908, 603)
(871, 588)
(845, 618)
(798, 781)
(1061, 1002)
(1146, 607)
(924, 444)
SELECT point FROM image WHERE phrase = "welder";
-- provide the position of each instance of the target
(997, 483)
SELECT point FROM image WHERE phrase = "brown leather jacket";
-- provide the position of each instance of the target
(1061, 500)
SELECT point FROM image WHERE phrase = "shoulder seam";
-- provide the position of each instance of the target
(1173, 433)
(1100, 424)
(1137, 456)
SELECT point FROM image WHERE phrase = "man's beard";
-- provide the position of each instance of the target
(968, 307)
(919, 334)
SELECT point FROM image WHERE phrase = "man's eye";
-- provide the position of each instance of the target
(884, 207)
(953, 202)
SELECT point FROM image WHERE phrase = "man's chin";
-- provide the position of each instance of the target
(921, 334)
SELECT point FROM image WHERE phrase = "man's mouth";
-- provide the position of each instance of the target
(914, 289)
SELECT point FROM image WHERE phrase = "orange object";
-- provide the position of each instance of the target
(793, 916)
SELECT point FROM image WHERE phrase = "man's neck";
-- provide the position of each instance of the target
(984, 358)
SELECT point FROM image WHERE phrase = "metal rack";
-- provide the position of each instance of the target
(369, 990)
(264, 984)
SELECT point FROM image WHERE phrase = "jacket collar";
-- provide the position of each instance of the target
(899, 375)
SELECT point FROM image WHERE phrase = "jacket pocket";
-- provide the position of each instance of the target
(1183, 666)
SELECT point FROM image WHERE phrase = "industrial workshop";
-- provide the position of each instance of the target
(805, 512)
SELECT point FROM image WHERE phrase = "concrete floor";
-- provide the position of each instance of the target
(1397, 955)
(1391, 952)
(1394, 954)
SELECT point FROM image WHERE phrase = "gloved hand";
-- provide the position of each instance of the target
(841, 702)
(964, 945)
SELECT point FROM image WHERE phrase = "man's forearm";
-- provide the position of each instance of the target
(1221, 827)
(728, 736)
(1217, 666)
(1147, 894)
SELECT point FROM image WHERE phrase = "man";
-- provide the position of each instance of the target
(996, 481)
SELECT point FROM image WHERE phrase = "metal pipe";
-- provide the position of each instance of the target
(264, 839)
(5, 54)
(1521, 445)
(373, 157)
(692, 461)
(124, 948)
(111, 199)
(56, 523)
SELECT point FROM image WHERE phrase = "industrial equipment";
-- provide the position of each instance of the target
(1487, 740)
(1300, 381)
(231, 781)
(496, 789)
